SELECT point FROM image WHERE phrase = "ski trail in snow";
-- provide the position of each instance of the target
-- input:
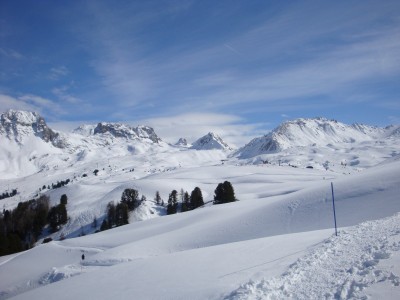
(340, 268)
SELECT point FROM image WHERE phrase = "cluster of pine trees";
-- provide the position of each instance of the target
(118, 215)
(8, 195)
(57, 215)
(21, 227)
(191, 202)
(224, 193)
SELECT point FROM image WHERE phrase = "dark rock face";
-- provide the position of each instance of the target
(124, 131)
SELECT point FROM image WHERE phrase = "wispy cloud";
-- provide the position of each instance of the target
(284, 58)
(58, 72)
(148, 59)
(11, 54)
(193, 126)
(63, 94)
(30, 103)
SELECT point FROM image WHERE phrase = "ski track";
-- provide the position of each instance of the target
(340, 268)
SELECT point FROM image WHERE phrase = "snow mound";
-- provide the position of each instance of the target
(342, 267)
(58, 274)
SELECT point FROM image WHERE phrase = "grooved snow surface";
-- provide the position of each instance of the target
(341, 267)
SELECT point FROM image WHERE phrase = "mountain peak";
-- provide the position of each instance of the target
(305, 132)
(210, 141)
(182, 142)
(17, 125)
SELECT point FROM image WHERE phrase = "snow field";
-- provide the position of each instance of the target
(210, 252)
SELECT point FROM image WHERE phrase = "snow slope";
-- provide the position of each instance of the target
(355, 256)
(263, 245)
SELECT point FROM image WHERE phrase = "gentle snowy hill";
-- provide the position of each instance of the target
(210, 141)
(271, 242)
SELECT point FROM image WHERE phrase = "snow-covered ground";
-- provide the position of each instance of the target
(276, 242)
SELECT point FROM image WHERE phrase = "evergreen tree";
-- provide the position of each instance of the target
(185, 202)
(64, 199)
(57, 216)
(172, 206)
(53, 219)
(157, 198)
(41, 212)
(62, 210)
(224, 193)
(94, 224)
(111, 214)
(121, 214)
(104, 225)
(131, 198)
(196, 198)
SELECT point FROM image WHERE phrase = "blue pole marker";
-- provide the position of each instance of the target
(334, 210)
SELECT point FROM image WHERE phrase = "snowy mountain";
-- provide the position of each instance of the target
(20, 126)
(31, 146)
(210, 141)
(182, 142)
(318, 132)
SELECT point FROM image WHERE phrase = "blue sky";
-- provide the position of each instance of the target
(187, 67)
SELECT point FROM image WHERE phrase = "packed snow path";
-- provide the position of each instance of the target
(341, 267)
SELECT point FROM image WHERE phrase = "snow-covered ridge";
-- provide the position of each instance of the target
(317, 132)
(119, 130)
(210, 141)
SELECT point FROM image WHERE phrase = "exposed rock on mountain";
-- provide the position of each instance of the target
(119, 131)
(20, 125)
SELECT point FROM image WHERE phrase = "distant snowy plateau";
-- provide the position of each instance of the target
(276, 242)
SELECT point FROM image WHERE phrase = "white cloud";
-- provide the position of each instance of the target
(193, 126)
(62, 94)
(30, 103)
(8, 102)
